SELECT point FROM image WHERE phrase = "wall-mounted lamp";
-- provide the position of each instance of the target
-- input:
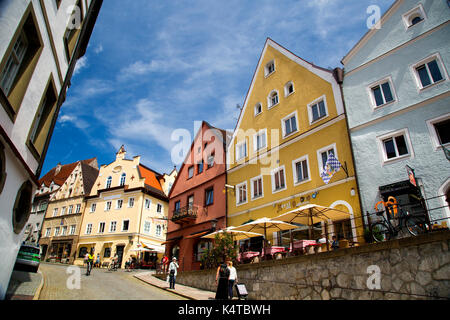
(352, 192)
(130, 239)
(214, 224)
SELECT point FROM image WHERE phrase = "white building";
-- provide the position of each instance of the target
(40, 42)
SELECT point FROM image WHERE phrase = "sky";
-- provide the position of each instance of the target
(155, 66)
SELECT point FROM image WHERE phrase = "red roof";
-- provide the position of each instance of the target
(150, 177)
(61, 176)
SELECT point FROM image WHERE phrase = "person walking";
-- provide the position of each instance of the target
(164, 262)
(90, 262)
(173, 267)
(222, 275)
(97, 262)
(232, 279)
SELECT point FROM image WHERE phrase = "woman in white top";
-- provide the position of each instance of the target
(231, 279)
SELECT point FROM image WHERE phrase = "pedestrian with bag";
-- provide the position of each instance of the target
(173, 266)
(222, 275)
(232, 279)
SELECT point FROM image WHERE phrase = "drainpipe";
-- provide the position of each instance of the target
(339, 76)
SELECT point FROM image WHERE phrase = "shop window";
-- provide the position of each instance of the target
(343, 229)
(22, 206)
(107, 252)
(82, 252)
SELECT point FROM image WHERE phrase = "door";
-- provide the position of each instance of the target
(119, 250)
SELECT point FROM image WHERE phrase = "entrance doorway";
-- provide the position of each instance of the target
(119, 250)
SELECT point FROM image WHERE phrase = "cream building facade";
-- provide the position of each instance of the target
(126, 212)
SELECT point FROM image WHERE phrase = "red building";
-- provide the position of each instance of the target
(197, 200)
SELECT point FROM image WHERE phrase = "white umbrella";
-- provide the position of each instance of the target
(236, 234)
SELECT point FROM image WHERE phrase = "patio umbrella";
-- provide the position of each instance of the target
(265, 225)
(236, 234)
(311, 214)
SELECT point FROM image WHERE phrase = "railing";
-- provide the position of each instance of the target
(185, 214)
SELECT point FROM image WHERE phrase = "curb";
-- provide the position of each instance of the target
(39, 289)
(166, 289)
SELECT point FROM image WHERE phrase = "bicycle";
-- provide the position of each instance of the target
(113, 266)
(89, 267)
(384, 230)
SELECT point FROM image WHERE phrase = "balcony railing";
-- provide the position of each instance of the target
(185, 214)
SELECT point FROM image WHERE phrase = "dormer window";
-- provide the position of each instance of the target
(258, 109)
(414, 16)
(269, 69)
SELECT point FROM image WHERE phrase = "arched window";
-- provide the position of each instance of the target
(108, 182)
(272, 99)
(123, 177)
(258, 108)
(22, 206)
(288, 88)
(416, 20)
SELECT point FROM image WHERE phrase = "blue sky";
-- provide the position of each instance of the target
(155, 66)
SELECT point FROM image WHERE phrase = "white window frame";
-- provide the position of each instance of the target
(147, 204)
(57, 229)
(108, 182)
(123, 225)
(252, 189)
(311, 104)
(100, 225)
(158, 230)
(266, 68)
(131, 202)
(286, 91)
(436, 56)
(159, 205)
(78, 208)
(283, 124)
(123, 179)
(73, 228)
(63, 211)
(70, 211)
(319, 155)
(88, 228)
(372, 95)
(149, 225)
(255, 108)
(272, 177)
(382, 150)
(48, 232)
(111, 224)
(55, 212)
(64, 231)
(93, 207)
(108, 205)
(238, 154)
(238, 193)
(17, 60)
(433, 134)
(269, 99)
(408, 16)
(294, 170)
(255, 139)
(117, 204)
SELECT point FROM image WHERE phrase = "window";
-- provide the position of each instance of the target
(89, 228)
(108, 182)
(278, 179)
(108, 206)
(125, 225)
(289, 124)
(93, 207)
(413, 16)
(72, 33)
(288, 88)
(72, 229)
(269, 68)
(395, 145)
(256, 185)
(48, 231)
(317, 109)
(300, 170)
(439, 129)
(113, 226)
(159, 208)
(64, 230)
(78, 208)
(70, 209)
(260, 140)
(241, 194)
(42, 121)
(209, 196)
(82, 252)
(101, 227)
(429, 71)
(158, 230)
(322, 156)
(210, 159)
(107, 252)
(63, 211)
(241, 150)
(22, 206)
(200, 167)
(57, 229)
(130, 202)
(381, 92)
(147, 204)
(258, 109)
(119, 204)
(272, 99)
(123, 178)
(55, 212)
(177, 206)
(190, 172)
(147, 226)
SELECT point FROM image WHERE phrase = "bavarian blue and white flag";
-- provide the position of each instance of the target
(331, 167)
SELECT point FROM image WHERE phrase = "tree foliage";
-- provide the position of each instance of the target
(223, 248)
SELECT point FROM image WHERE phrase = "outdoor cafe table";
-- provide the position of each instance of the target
(273, 250)
(301, 245)
(248, 255)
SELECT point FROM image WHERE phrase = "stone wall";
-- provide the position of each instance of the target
(410, 268)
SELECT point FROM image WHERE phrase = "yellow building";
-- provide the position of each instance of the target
(293, 118)
(126, 212)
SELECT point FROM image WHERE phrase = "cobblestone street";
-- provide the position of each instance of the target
(100, 285)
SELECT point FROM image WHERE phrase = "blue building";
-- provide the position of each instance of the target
(396, 92)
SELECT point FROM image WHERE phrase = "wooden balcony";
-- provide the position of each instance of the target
(185, 214)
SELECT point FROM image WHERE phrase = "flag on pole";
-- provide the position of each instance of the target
(331, 167)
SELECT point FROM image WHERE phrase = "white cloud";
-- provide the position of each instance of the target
(81, 63)
(98, 49)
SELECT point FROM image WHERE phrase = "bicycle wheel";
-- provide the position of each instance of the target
(415, 226)
(380, 232)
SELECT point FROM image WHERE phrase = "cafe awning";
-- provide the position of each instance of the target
(198, 234)
(172, 240)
